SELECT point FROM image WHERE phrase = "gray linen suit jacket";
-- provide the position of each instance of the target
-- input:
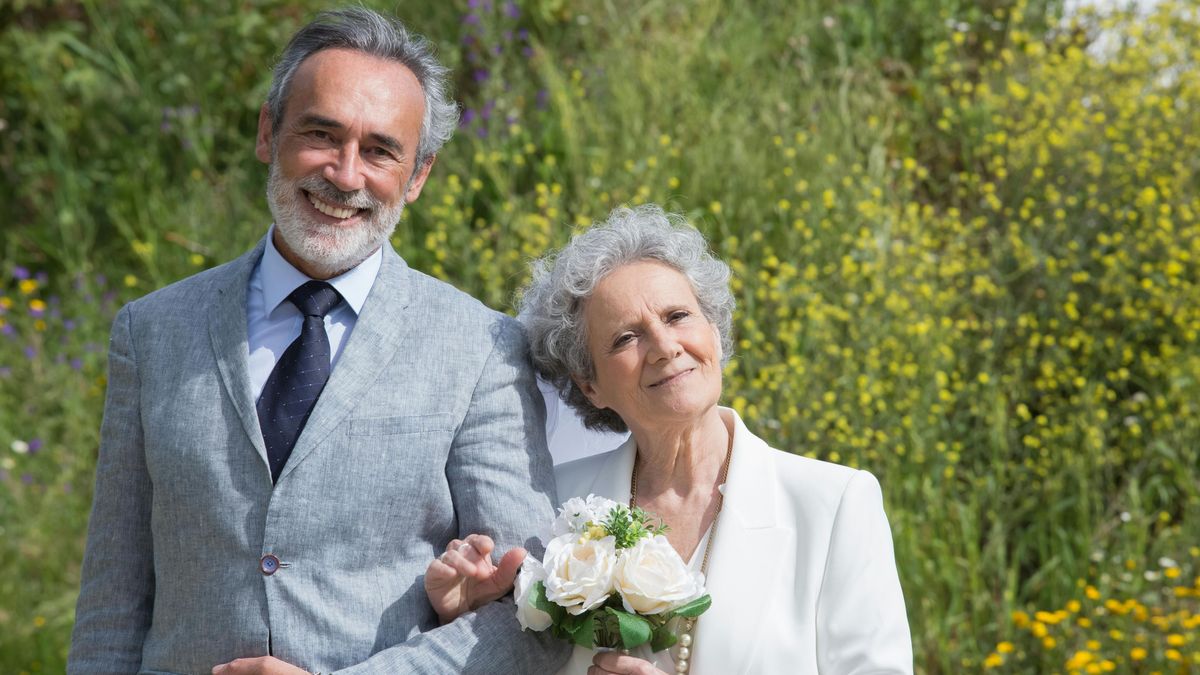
(430, 427)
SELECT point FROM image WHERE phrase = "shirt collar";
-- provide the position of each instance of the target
(280, 278)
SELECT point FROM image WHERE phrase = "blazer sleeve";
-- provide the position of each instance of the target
(862, 626)
(502, 483)
(116, 595)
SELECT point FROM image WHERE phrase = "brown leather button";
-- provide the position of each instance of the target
(269, 564)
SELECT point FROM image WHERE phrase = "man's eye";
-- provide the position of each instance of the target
(320, 135)
(380, 153)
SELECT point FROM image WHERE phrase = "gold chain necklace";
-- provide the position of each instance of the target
(683, 659)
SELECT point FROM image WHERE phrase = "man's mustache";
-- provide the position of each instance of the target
(327, 192)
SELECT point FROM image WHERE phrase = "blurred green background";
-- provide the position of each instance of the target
(964, 235)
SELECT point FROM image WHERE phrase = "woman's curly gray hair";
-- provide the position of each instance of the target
(551, 308)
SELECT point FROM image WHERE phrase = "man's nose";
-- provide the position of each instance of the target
(345, 170)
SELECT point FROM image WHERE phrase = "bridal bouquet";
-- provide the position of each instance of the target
(608, 579)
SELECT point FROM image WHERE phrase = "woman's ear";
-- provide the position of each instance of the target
(589, 390)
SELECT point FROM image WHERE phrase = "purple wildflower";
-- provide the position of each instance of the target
(20, 273)
(511, 9)
(27, 478)
(30, 352)
(468, 116)
(527, 52)
(35, 444)
(471, 19)
(480, 75)
(5, 371)
(8, 329)
(69, 324)
(77, 363)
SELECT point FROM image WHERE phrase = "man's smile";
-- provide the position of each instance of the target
(331, 210)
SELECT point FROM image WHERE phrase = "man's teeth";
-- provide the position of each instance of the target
(332, 211)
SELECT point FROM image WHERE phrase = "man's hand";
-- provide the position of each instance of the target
(606, 663)
(262, 665)
(464, 577)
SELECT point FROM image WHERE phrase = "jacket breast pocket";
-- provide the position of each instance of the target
(403, 425)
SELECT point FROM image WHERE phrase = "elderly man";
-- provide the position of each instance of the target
(290, 437)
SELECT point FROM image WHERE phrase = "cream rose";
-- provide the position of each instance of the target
(652, 578)
(579, 573)
(530, 617)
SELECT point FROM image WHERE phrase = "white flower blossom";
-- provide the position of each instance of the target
(530, 617)
(579, 572)
(652, 578)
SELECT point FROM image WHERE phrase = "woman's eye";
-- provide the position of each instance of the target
(679, 314)
(622, 340)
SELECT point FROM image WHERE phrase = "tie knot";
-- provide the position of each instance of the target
(315, 298)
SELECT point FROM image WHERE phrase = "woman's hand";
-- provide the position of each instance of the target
(464, 577)
(616, 662)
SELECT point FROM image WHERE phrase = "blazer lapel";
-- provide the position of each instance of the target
(227, 329)
(748, 545)
(378, 335)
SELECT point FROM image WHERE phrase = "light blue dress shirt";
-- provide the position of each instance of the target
(273, 323)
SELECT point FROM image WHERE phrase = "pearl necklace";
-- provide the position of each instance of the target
(683, 660)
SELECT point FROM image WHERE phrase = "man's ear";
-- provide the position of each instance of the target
(418, 180)
(262, 144)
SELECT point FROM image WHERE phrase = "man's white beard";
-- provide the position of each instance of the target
(328, 250)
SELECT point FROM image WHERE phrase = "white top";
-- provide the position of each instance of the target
(802, 573)
(566, 436)
(273, 323)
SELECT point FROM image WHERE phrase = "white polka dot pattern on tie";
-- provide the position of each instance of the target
(292, 390)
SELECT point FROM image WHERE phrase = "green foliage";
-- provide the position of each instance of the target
(964, 239)
(627, 526)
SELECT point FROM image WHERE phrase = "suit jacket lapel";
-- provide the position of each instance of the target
(377, 336)
(748, 544)
(227, 328)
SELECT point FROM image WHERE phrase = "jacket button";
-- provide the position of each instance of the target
(269, 564)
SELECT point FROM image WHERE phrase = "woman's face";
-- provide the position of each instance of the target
(657, 358)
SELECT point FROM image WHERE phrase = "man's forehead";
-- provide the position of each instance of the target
(352, 79)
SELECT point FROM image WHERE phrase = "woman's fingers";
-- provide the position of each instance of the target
(510, 565)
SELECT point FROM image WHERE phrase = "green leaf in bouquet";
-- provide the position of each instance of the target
(662, 637)
(585, 631)
(635, 631)
(695, 608)
(537, 596)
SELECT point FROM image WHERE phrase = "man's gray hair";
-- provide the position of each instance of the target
(551, 308)
(363, 30)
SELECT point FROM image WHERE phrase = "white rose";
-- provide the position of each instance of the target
(579, 574)
(577, 512)
(652, 578)
(530, 617)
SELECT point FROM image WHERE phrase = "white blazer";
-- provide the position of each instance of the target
(802, 574)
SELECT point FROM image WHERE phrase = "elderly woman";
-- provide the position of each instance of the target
(632, 321)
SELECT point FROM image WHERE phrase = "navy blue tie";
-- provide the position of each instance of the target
(298, 378)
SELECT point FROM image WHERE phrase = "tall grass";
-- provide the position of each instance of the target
(965, 247)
